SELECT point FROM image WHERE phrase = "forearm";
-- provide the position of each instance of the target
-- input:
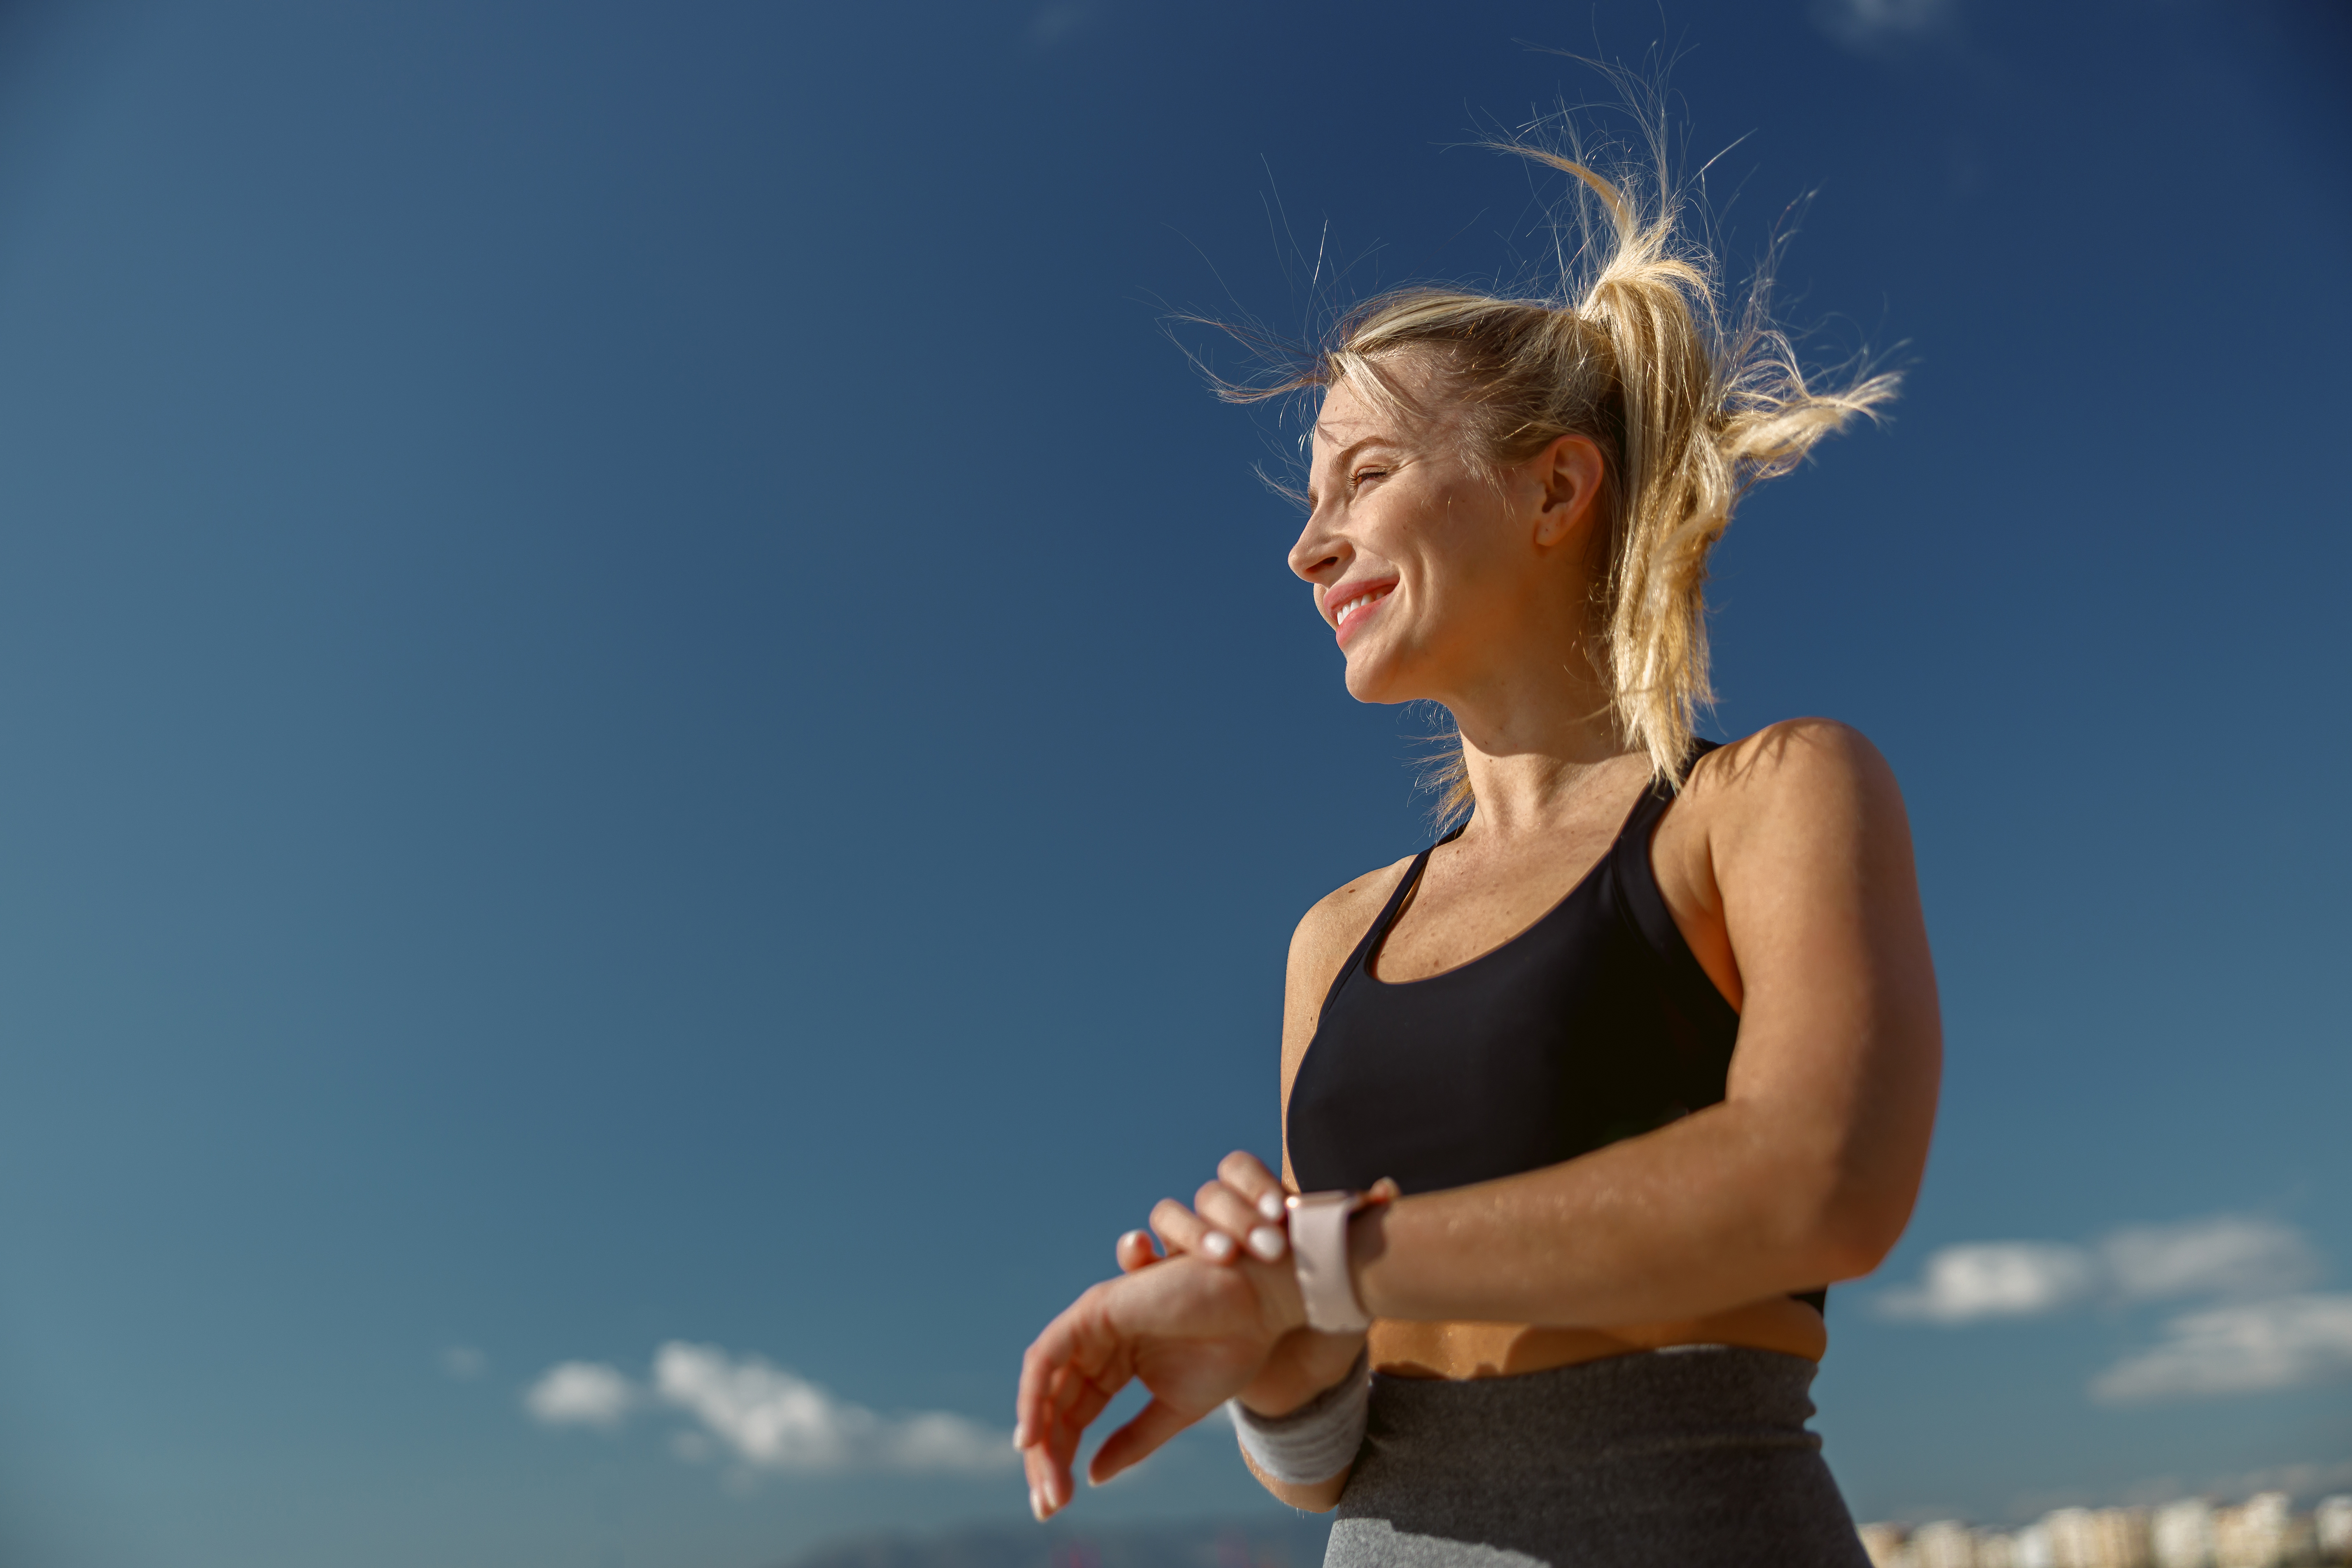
(1721, 1208)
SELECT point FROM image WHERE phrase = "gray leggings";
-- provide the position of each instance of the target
(1684, 1458)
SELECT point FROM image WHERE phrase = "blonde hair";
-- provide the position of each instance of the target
(1634, 355)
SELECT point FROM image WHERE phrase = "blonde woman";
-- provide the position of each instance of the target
(1584, 1105)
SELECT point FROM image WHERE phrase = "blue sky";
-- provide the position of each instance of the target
(645, 708)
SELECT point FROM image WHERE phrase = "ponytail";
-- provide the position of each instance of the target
(1688, 415)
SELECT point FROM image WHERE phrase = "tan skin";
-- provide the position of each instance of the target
(1787, 865)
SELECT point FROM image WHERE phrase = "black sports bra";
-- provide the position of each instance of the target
(1594, 1023)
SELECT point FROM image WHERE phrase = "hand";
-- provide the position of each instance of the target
(1227, 1224)
(1196, 1334)
(1241, 1212)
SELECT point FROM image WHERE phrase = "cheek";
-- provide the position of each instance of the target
(1457, 541)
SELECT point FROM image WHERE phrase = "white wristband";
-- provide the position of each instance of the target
(1316, 1441)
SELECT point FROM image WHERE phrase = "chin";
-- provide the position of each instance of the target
(1369, 680)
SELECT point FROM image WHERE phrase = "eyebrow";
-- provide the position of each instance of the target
(1339, 459)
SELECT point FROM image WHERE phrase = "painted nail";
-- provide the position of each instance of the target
(1217, 1245)
(1270, 1205)
(1266, 1242)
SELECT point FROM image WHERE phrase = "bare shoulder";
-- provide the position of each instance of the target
(1816, 769)
(1328, 931)
(1793, 823)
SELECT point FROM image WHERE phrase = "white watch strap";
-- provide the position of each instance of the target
(1318, 1245)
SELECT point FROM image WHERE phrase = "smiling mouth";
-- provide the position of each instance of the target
(1350, 608)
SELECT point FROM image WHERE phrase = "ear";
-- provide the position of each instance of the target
(1571, 473)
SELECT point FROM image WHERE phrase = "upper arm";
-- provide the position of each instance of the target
(1327, 934)
(1839, 1040)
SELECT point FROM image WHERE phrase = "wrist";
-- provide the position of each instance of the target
(1323, 1248)
(1307, 1364)
(1278, 1295)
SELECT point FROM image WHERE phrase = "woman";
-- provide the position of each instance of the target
(1586, 1104)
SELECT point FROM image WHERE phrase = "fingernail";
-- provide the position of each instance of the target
(1270, 1205)
(1037, 1504)
(1266, 1242)
(1217, 1244)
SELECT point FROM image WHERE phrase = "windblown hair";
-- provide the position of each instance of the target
(1632, 352)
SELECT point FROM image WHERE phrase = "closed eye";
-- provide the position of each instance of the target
(1361, 476)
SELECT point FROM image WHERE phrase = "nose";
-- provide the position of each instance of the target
(1317, 557)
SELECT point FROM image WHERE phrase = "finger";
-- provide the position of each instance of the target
(1135, 1441)
(1184, 1231)
(1056, 1435)
(1035, 1465)
(1044, 1388)
(1261, 1188)
(1061, 1446)
(1026, 1406)
(1386, 1187)
(1134, 1251)
(1226, 1209)
(1230, 1212)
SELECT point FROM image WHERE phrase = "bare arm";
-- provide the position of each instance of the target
(1790, 873)
(1807, 1172)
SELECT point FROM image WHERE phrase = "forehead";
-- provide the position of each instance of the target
(1346, 418)
(1408, 404)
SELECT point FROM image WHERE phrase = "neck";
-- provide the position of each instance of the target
(1531, 742)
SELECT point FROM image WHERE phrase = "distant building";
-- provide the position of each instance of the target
(2263, 1532)
(2253, 1534)
(2331, 1529)
(1947, 1543)
(1883, 1545)
(2181, 1535)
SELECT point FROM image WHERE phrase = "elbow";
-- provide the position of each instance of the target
(1846, 1197)
(1850, 1248)
(1852, 1230)
(1838, 1221)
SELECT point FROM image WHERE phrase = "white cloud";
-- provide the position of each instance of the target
(2231, 1257)
(581, 1393)
(1874, 24)
(2244, 1348)
(765, 1416)
(1982, 1279)
(776, 1420)
(2227, 1256)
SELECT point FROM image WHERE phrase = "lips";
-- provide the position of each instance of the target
(1349, 604)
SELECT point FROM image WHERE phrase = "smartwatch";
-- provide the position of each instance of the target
(1319, 1247)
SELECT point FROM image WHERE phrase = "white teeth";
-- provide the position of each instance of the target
(1340, 616)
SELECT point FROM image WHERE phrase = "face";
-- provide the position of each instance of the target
(1436, 580)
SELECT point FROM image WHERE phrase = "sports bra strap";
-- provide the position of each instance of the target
(1389, 912)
